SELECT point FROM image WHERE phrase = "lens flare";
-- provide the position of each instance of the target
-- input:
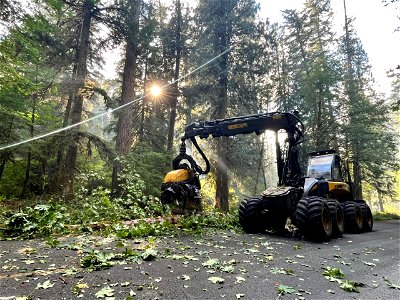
(155, 91)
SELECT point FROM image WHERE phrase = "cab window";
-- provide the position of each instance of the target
(337, 171)
(320, 167)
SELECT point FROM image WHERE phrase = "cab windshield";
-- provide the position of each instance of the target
(320, 167)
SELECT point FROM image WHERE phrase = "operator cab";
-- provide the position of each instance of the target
(326, 176)
(325, 165)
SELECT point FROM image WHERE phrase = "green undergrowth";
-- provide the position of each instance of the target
(386, 216)
(97, 260)
(133, 213)
(192, 224)
(100, 214)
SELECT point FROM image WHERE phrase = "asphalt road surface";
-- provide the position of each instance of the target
(242, 266)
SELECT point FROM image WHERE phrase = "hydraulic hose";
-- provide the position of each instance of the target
(198, 168)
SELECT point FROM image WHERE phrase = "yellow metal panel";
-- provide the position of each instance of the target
(338, 186)
(237, 126)
(178, 175)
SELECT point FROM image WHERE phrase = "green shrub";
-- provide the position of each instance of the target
(151, 166)
(40, 220)
(385, 216)
(143, 229)
(212, 219)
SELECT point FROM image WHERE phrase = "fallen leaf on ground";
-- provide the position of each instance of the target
(240, 279)
(212, 262)
(228, 269)
(45, 285)
(105, 292)
(284, 289)
(349, 286)
(216, 279)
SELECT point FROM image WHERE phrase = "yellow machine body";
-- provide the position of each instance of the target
(178, 175)
(337, 190)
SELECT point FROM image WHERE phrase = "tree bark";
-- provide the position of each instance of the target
(353, 99)
(124, 125)
(3, 165)
(58, 177)
(380, 201)
(29, 155)
(6, 155)
(80, 78)
(143, 104)
(259, 168)
(357, 172)
(222, 192)
(174, 100)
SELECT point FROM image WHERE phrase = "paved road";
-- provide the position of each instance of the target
(252, 267)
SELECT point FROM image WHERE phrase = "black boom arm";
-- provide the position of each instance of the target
(246, 125)
(288, 166)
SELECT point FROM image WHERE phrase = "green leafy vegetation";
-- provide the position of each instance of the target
(281, 271)
(129, 216)
(195, 223)
(105, 292)
(386, 216)
(40, 220)
(336, 275)
(284, 289)
(97, 260)
(349, 286)
(45, 285)
(333, 273)
(216, 279)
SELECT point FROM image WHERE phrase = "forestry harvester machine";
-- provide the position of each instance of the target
(321, 204)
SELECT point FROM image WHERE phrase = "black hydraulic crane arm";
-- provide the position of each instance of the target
(247, 124)
(257, 123)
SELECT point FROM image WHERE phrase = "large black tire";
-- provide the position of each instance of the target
(337, 216)
(353, 217)
(368, 221)
(302, 215)
(313, 218)
(250, 216)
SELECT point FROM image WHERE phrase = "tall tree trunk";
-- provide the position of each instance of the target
(143, 104)
(335, 143)
(29, 156)
(318, 123)
(80, 79)
(3, 165)
(222, 192)
(188, 98)
(260, 167)
(174, 100)
(57, 176)
(124, 125)
(357, 172)
(380, 201)
(353, 99)
(6, 155)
